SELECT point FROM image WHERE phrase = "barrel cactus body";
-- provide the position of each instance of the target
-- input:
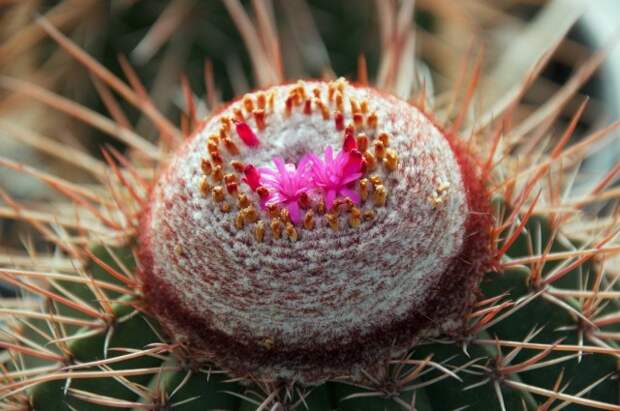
(316, 245)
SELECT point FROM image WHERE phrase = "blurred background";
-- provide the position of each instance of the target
(164, 40)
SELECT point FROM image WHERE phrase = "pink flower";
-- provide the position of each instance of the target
(335, 175)
(286, 184)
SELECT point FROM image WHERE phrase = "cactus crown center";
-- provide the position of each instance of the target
(333, 186)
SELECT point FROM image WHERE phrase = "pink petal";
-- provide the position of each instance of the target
(265, 202)
(353, 195)
(252, 177)
(267, 171)
(313, 158)
(341, 160)
(329, 198)
(329, 154)
(246, 134)
(303, 162)
(294, 211)
(350, 178)
(279, 162)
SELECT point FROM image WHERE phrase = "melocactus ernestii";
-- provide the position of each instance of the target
(310, 229)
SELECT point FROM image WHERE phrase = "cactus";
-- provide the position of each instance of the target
(317, 245)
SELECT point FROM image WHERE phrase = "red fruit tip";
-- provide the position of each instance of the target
(252, 177)
(349, 142)
(246, 134)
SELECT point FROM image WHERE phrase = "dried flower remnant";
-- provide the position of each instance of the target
(325, 207)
